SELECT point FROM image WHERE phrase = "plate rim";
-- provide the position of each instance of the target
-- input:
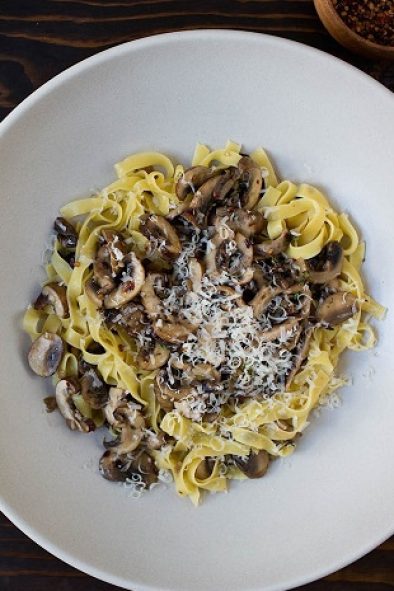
(57, 81)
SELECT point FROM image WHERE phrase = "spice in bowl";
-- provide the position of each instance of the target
(372, 19)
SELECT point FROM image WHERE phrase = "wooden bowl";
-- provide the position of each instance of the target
(348, 38)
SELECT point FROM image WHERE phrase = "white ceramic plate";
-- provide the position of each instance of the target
(323, 122)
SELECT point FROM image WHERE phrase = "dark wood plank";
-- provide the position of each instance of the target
(39, 39)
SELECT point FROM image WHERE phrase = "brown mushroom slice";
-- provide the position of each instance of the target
(204, 195)
(165, 401)
(154, 440)
(263, 298)
(204, 468)
(235, 256)
(116, 397)
(245, 272)
(337, 308)
(185, 223)
(102, 276)
(151, 358)
(112, 467)
(302, 351)
(50, 403)
(299, 291)
(259, 277)
(65, 390)
(166, 395)
(93, 292)
(240, 220)
(327, 264)
(226, 182)
(195, 275)
(94, 390)
(130, 285)
(45, 354)
(144, 465)
(204, 372)
(192, 179)
(128, 440)
(161, 234)
(231, 296)
(116, 248)
(66, 233)
(173, 332)
(251, 172)
(280, 331)
(55, 296)
(255, 465)
(130, 317)
(272, 248)
(150, 299)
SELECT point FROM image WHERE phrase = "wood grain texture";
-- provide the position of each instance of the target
(39, 39)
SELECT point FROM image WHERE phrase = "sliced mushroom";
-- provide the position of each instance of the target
(65, 390)
(185, 224)
(116, 398)
(130, 285)
(255, 465)
(259, 277)
(205, 468)
(251, 174)
(128, 440)
(227, 181)
(131, 317)
(230, 296)
(192, 179)
(195, 275)
(162, 236)
(234, 256)
(280, 270)
(204, 372)
(173, 332)
(94, 390)
(117, 249)
(337, 308)
(263, 298)
(204, 195)
(154, 440)
(149, 297)
(112, 467)
(166, 395)
(50, 404)
(94, 293)
(272, 248)
(45, 354)
(215, 189)
(239, 220)
(144, 465)
(153, 357)
(301, 353)
(102, 273)
(55, 296)
(66, 233)
(119, 468)
(327, 264)
(279, 331)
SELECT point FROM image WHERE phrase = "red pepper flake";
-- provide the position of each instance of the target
(372, 19)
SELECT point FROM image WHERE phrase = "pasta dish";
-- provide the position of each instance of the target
(198, 314)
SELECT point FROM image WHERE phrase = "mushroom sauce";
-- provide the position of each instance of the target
(199, 315)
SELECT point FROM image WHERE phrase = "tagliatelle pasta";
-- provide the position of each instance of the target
(240, 400)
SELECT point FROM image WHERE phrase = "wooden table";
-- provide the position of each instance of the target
(40, 38)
